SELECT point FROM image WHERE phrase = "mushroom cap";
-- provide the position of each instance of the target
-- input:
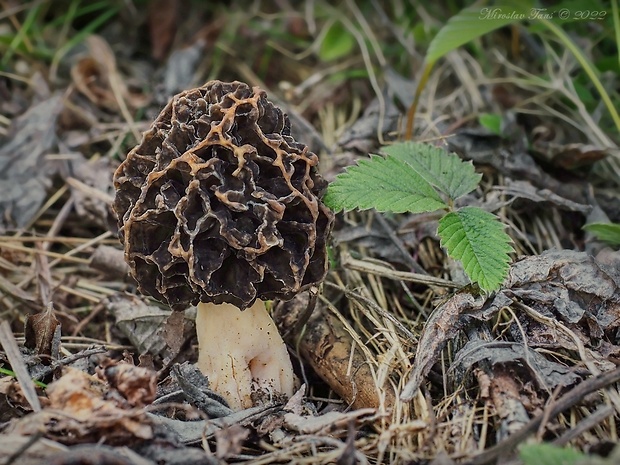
(218, 203)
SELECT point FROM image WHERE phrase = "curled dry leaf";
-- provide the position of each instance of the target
(136, 384)
(571, 286)
(442, 326)
(548, 374)
(42, 333)
(565, 287)
(487, 149)
(144, 324)
(549, 143)
(195, 387)
(81, 410)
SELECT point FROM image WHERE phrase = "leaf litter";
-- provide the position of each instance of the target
(482, 372)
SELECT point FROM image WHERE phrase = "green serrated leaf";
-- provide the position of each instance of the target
(337, 43)
(477, 239)
(473, 22)
(606, 232)
(385, 184)
(446, 171)
(547, 454)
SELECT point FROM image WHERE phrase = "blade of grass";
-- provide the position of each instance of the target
(19, 367)
(468, 24)
(614, 12)
(80, 36)
(21, 35)
(588, 67)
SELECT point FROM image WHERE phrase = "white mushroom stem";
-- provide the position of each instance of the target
(241, 352)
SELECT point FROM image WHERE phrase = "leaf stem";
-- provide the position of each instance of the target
(426, 72)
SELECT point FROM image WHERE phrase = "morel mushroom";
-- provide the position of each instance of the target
(220, 207)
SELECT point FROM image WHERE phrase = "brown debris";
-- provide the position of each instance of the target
(137, 385)
(80, 410)
(42, 333)
(96, 76)
(229, 441)
(162, 20)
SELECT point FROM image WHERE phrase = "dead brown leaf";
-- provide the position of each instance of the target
(80, 410)
(173, 332)
(91, 187)
(229, 441)
(42, 333)
(554, 146)
(443, 325)
(571, 285)
(136, 384)
(25, 174)
(548, 374)
(329, 349)
(143, 323)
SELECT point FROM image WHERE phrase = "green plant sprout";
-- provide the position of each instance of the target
(606, 232)
(416, 177)
(549, 454)
(472, 23)
(4, 371)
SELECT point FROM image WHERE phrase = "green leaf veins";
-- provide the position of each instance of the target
(385, 184)
(446, 171)
(606, 232)
(477, 239)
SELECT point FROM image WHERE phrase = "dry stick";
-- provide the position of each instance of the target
(59, 221)
(70, 359)
(30, 250)
(571, 398)
(19, 367)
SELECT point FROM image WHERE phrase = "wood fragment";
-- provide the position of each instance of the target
(329, 349)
